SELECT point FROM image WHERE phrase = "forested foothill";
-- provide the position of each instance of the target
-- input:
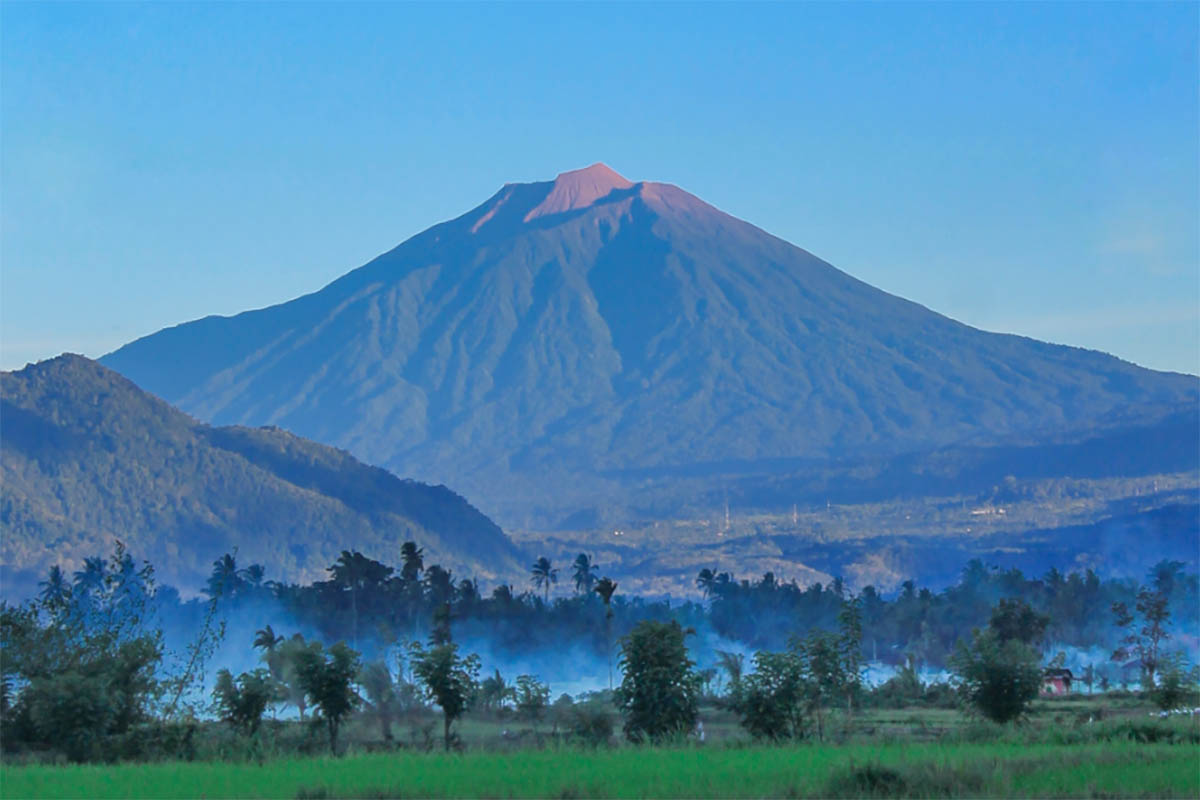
(107, 665)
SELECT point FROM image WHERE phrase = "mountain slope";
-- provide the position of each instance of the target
(586, 325)
(88, 457)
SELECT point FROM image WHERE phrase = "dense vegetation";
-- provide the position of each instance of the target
(88, 671)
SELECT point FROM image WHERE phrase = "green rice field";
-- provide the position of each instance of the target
(1110, 769)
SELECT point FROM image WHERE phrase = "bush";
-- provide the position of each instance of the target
(772, 699)
(1176, 686)
(592, 724)
(919, 780)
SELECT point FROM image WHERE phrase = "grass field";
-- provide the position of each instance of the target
(1076, 747)
(894, 770)
(1113, 760)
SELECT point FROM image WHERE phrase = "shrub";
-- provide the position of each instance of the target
(772, 699)
(919, 780)
(592, 724)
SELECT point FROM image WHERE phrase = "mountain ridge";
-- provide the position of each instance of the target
(88, 458)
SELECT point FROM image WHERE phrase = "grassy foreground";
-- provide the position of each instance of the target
(1109, 769)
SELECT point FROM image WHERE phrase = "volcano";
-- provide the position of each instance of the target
(565, 332)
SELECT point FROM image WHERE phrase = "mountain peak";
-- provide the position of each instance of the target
(579, 188)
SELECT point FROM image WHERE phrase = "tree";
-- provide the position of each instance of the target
(225, 580)
(705, 581)
(1177, 685)
(733, 664)
(543, 576)
(265, 639)
(532, 698)
(822, 655)
(283, 662)
(376, 681)
(997, 677)
(659, 692)
(56, 590)
(327, 681)
(84, 665)
(771, 700)
(902, 689)
(1144, 643)
(494, 692)
(90, 579)
(562, 713)
(355, 571)
(449, 680)
(1016, 620)
(584, 574)
(241, 703)
(605, 587)
(412, 562)
(850, 650)
(253, 576)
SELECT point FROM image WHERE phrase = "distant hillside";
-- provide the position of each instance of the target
(568, 332)
(87, 457)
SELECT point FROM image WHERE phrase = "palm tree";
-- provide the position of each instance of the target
(253, 575)
(544, 575)
(705, 581)
(224, 579)
(585, 578)
(355, 571)
(503, 596)
(265, 639)
(56, 591)
(91, 577)
(412, 561)
(605, 588)
(289, 652)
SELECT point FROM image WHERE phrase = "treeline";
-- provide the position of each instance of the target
(373, 605)
(86, 670)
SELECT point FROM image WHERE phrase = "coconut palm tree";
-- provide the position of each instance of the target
(224, 580)
(705, 581)
(412, 561)
(605, 588)
(56, 590)
(266, 639)
(91, 578)
(253, 575)
(544, 576)
(355, 571)
(585, 577)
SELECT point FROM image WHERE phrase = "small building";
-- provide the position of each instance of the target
(1056, 681)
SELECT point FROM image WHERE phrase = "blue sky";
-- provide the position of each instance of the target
(1030, 168)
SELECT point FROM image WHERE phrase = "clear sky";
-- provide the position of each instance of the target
(1030, 168)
